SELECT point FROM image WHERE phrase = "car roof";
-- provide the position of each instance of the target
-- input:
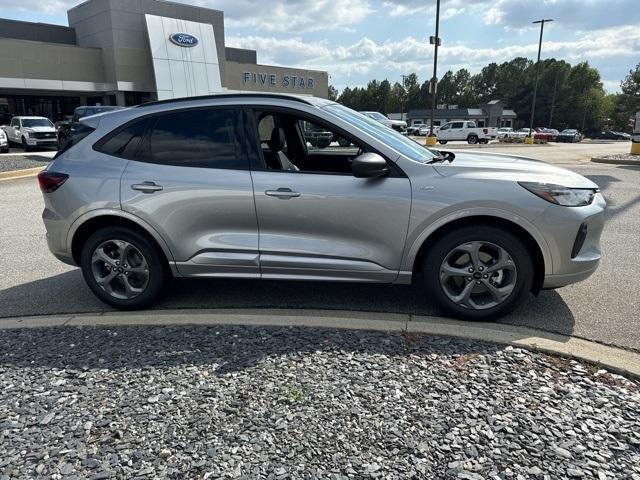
(27, 117)
(242, 96)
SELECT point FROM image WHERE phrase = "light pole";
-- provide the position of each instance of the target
(535, 87)
(404, 85)
(434, 81)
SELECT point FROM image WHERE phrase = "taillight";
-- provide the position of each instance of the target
(485, 130)
(51, 181)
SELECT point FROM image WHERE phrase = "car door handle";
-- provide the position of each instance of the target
(146, 187)
(282, 193)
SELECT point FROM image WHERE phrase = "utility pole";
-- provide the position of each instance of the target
(535, 87)
(553, 99)
(404, 85)
(434, 81)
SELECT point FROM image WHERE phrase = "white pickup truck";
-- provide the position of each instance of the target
(32, 132)
(466, 130)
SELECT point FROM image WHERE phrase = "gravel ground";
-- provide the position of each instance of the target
(19, 162)
(256, 402)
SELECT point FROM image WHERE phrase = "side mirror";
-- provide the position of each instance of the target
(369, 165)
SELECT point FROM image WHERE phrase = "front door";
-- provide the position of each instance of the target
(190, 180)
(316, 220)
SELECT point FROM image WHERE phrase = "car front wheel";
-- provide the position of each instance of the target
(123, 268)
(478, 273)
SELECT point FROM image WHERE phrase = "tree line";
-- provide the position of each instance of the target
(569, 96)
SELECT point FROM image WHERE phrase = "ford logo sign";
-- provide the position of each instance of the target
(184, 39)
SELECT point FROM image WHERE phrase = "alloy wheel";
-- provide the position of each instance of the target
(120, 269)
(478, 275)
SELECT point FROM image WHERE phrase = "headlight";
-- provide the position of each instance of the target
(560, 195)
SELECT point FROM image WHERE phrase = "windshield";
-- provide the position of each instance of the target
(569, 131)
(36, 122)
(407, 147)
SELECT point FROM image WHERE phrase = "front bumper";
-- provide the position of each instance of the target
(574, 259)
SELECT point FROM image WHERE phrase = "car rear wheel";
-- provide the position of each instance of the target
(442, 142)
(478, 273)
(123, 268)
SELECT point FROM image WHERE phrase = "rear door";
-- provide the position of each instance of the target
(189, 179)
(458, 131)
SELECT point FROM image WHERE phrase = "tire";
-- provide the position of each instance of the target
(5, 150)
(515, 281)
(150, 290)
(25, 147)
(443, 142)
(472, 139)
(343, 142)
(62, 140)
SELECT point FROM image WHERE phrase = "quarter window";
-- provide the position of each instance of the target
(196, 138)
(124, 143)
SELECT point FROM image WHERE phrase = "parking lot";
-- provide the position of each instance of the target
(603, 308)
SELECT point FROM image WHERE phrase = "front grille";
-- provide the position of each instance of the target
(42, 135)
(579, 242)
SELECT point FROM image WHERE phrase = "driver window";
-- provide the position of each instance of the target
(294, 144)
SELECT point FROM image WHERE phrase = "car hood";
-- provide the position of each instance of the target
(40, 129)
(503, 167)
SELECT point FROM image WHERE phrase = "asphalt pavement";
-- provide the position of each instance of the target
(604, 308)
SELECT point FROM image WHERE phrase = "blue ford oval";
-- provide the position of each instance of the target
(184, 39)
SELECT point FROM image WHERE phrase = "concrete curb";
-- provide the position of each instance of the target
(611, 358)
(614, 161)
(27, 172)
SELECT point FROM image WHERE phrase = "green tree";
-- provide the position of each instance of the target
(333, 93)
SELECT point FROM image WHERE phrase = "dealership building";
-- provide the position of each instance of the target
(126, 52)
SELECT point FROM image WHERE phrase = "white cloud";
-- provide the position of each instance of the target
(367, 59)
(264, 15)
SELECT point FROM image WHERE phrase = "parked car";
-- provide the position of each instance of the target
(546, 134)
(399, 125)
(521, 133)
(31, 132)
(569, 135)
(426, 130)
(184, 184)
(415, 129)
(505, 132)
(466, 130)
(4, 142)
(317, 137)
(610, 135)
(66, 128)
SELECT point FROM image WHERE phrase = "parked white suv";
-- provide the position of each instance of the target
(398, 125)
(32, 132)
(466, 130)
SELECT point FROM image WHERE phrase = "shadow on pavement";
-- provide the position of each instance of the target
(67, 293)
(225, 348)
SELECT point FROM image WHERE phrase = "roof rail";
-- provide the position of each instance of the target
(282, 96)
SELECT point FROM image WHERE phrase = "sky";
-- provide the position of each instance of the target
(360, 40)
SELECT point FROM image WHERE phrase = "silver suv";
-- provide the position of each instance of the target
(228, 186)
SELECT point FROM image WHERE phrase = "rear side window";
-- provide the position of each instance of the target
(125, 141)
(196, 138)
